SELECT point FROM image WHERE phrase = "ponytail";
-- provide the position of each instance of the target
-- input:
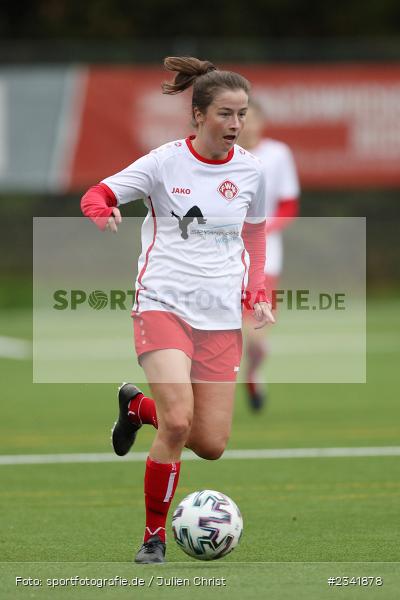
(187, 70)
(206, 79)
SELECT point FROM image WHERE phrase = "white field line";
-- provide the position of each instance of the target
(14, 348)
(103, 457)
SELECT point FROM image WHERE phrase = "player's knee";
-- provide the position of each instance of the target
(211, 451)
(214, 453)
(175, 418)
(176, 428)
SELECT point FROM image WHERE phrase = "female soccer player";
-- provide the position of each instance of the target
(282, 189)
(206, 206)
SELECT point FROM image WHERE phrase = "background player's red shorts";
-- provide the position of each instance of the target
(215, 354)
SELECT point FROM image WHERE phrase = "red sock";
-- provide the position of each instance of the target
(160, 483)
(143, 409)
(256, 353)
(251, 387)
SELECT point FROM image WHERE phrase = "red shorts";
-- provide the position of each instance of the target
(271, 283)
(215, 355)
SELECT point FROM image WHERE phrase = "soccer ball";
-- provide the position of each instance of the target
(207, 525)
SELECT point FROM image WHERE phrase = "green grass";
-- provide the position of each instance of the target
(299, 514)
(323, 502)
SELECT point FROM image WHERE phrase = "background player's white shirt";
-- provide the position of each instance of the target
(282, 183)
(196, 266)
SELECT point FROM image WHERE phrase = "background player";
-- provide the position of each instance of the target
(282, 190)
(190, 354)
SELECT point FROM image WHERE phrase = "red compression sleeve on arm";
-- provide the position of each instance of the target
(254, 241)
(287, 211)
(97, 204)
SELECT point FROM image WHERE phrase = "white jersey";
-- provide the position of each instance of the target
(193, 261)
(281, 184)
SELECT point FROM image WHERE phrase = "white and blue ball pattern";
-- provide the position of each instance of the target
(207, 525)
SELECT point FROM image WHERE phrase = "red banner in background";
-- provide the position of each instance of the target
(124, 116)
(341, 121)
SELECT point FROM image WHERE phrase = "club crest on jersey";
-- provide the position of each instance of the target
(228, 190)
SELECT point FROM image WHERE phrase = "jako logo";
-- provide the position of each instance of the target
(228, 190)
(177, 190)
